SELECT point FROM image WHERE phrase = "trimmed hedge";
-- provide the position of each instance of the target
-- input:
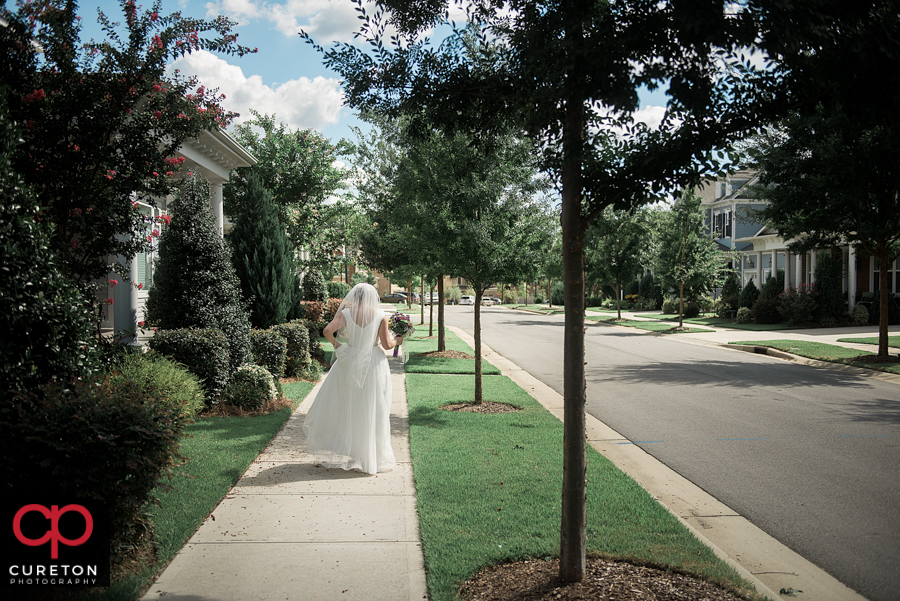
(314, 286)
(744, 315)
(250, 388)
(99, 438)
(269, 350)
(765, 310)
(296, 335)
(205, 353)
(167, 383)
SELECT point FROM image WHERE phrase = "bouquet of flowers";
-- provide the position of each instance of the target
(400, 325)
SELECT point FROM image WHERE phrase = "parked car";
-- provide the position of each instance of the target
(495, 300)
(432, 299)
(396, 297)
(487, 301)
(467, 300)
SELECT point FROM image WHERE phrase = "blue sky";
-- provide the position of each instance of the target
(286, 76)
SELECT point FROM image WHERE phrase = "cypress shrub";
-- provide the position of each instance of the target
(195, 285)
(263, 256)
(314, 286)
(773, 286)
(556, 294)
(749, 295)
(832, 300)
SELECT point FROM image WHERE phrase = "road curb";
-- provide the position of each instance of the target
(760, 559)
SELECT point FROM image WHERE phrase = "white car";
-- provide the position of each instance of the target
(467, 300)
(487, 301)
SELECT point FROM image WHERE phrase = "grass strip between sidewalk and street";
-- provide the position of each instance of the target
(824, 352)
(660, 327)
(893, 341)
(488, 491)
(442, 365)
(723, 322)
(217, 451)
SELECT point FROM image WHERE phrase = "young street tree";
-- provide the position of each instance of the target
(614, 242)
(829, 179)
(687, 257)
(101, 121)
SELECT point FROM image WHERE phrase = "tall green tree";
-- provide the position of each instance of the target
(613, 244)
(101, 121)
(829, 179)
(302, 171)
(263, 256)
(687, 258)
(195, 285)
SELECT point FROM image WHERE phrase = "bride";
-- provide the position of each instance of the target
(348, 425)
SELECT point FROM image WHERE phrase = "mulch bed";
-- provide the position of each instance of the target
(604, 580)
(446, 355)
(483, 407)
(874, 359)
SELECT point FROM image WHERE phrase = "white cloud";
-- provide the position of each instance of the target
(651, 115)
(239, 10)
(300, 103)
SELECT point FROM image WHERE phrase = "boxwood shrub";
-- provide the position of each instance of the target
(204, 352)
(269, 350)
(297, 336)
(691, 310)
(99, 438)
(744, 315)
(250, 388)
(167, 383)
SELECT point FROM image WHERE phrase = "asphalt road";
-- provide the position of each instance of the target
(809, 455)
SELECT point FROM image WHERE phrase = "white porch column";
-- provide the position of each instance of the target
(216, 203)
(133, 300)
(787, 269)
(759, 269)
(812, 267)
(799, 271)
(851, 277)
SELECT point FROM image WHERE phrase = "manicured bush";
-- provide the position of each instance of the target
(707, 304)
(203, 352)
(337, 289)
(557, 294)
(798, 305)
(773, 285)
(296, 334)
(671, 306)
(312, 312)
(165, 382)
(538, 300)
(860, 315)
(314, 286)
(765, 310)
(832, 302)
(195, 285)
(92, 438)
(691, 310)
(269, 350)
(330, 309)
(262, 255)
(251, 387)
(893, 310)
(46, 322)
(749, 295)
(744, 315)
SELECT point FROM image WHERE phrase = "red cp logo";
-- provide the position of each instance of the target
(53, 514)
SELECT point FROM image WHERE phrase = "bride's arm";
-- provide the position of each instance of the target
(333, 327)
(384, 335)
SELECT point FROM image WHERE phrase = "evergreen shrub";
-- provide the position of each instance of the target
(691, 310)
(765, 310)
(893, 311)
(773, 285)
(670, 306)
(832, 302)
(167, 383)
(337, 290)
(296, 335)
(314, 286)
(329, 310)
(251, 387)
(91, 438)
(312, 312)
(798, 305)
(749, 295)
(203, 352)
(744, 315)
(860, 315)
(269, 351)
(557, 294)
(195, 285)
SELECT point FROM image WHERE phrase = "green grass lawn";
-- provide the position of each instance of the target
(651, 326)
(217, 451)
(723, 322)
(488, 490)
(893, 341)
(823, 352)
(442, 365)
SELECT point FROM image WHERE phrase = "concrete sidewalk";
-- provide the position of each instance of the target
(290, 530)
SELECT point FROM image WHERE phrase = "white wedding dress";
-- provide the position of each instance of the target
(348, 425)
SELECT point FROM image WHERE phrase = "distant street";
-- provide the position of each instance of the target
(811, 456)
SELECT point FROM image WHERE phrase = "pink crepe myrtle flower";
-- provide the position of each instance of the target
(114, 282)
(35, 96)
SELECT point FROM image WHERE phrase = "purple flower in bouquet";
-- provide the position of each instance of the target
(400, 325)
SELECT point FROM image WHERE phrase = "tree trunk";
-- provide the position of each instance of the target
(549, 297)
(431, 312)
(442, 340)
(618, 299)
(883, 291)
(574, 493)
(409, 293)
(479, 395)
(422, 302)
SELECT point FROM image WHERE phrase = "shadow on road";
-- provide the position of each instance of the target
(871, 411)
